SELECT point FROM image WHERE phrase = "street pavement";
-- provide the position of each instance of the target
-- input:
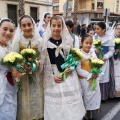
(110, 110)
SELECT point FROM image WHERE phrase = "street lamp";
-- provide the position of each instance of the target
(21, 8)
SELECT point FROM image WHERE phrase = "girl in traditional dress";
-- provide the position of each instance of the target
(107, 82)
(117, 63)
(43, 23)
(8, 92)
(63, 99)
(30, 99)
(91, 98)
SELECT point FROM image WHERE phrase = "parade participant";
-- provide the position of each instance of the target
(30, 99)
(107, 83)
(8, 92)
(43, 23)
(117, 62)
(70, 25)
(91, 32)
(63, 99)
(91, 98)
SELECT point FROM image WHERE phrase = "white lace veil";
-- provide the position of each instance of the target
(67, 40)
(19, 33)
(42, 22)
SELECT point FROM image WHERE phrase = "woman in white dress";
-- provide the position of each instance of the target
(117, 63)
(8, 92)
(63, 99)
(43, 23)
(91, 98)
(30, 99)
(107, 81)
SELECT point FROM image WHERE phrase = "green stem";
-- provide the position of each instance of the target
(19, 85)
(93, 84)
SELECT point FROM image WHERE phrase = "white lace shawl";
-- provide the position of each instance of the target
(67, 41)
(19, 38)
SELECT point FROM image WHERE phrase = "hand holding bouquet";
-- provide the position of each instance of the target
(97, 44)
(70, 62)
(96, 64)
(117, 47)
(15, 60)
(30, 61)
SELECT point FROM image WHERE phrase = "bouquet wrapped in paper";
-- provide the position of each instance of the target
(15, 60)
(97, 44)
(71, 61)
(30, 61)
(117, 47)
(95, 64)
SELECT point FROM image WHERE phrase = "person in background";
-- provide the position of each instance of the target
(43, 23)
(91, 32)
(83, 30)
(8, 91)
(76, 42)
(78, 30)
(117, 62)
(107, 81)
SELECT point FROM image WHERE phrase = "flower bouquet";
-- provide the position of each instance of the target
(95, 64)
(71, 61)
(30, 61)
(15, 60)
(97, 44)
(117, 46)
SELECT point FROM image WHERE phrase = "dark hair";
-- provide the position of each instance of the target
(84, 37)
(56, 18)
(46, 15)
(69, 23)
(25, 16)
(102, 25)
(7, 20)
(90, 29)
(117, 25)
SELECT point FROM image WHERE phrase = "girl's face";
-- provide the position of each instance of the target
(100, 32)
(47, 19)
(56, 27)
(27, 27)
(87, 44)
(6, 31)
(91, 33)
(117, 31)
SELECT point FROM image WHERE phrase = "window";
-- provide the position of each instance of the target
(100, 5)
(33, 13)
(12, 13)
(93, 6)
(56, 8)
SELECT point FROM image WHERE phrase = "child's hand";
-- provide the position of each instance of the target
(68, 71)
(17, 74)
(97, 51)
(28, 68)
(57, 79)
(95, 76)
(117, 50)
(103, 59)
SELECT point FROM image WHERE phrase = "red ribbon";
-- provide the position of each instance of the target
(9, 78)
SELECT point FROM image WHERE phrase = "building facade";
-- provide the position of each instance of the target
(91, 11)
(34, 8)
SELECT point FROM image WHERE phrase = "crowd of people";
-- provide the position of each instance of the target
(50, 97)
